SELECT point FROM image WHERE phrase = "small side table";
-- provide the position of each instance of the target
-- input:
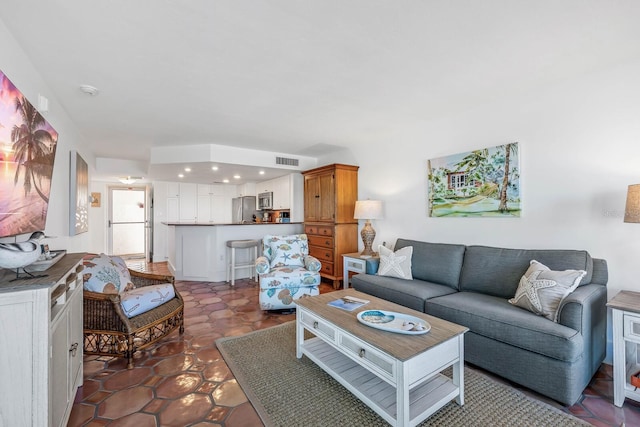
(354, 263)
(626, 345)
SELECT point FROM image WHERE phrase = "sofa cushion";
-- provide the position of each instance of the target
(395, 264)
(141, 300)
(541, 290)
(409, 293)
(497, 271)
(436, 262)
(495, 318)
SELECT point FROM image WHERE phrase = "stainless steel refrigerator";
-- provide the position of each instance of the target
(243, 209)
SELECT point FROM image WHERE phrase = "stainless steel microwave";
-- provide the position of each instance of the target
(265, 201)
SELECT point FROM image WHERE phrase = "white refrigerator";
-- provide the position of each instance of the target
(243, 209)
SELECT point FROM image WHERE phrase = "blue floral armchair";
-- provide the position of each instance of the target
(286, 271)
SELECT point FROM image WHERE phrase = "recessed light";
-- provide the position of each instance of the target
(214, 168)
(261, 172)
(236, 176)
(226, 181)
(187, 169)
(180, 175)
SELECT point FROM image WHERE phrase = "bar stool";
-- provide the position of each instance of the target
(231, 265)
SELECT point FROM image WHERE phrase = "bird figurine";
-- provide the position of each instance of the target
(21, 254)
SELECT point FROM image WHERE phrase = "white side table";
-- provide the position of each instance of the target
(626, 344)
(354, 263)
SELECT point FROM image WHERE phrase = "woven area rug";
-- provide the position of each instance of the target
(287, 391)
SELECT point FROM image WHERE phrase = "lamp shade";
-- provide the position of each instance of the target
(632, 209)
(368, 209)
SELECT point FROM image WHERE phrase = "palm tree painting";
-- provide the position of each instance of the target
(479, 183)
(27, 153)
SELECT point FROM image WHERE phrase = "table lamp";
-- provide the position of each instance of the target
(368, 210)
(632, 209)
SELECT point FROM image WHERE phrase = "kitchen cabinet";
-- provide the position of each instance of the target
(281, 189)
(330, 194)
(188, 202)
(41, 333)
(214, 203)
(182, 201)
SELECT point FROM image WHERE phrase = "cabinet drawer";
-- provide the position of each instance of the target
(327, 268)
(356, 265)
(368, 355)
(632, 327)
(317, 325)
(321, 230)
(323, 254)
(325, 242)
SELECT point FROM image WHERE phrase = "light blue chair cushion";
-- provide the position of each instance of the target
(141, 300)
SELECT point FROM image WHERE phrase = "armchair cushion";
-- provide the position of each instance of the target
(312, 263)
(138, 301)
(287, 250)
(106, 274)
(262, 265)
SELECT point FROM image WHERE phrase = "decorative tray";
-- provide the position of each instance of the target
(43, 264)
(394, 322)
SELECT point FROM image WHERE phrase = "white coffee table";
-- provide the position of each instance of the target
(396, 375)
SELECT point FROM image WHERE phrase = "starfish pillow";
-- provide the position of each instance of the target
(541, 290)
(395, 264)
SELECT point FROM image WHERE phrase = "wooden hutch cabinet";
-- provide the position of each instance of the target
(330, 194)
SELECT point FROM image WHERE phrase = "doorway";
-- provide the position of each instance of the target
(129, 233)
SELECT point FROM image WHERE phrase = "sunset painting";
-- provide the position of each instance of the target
(27, 152)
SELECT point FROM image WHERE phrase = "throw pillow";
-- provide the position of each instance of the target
(141, 300)
(105, 274)
(541, 290)
(395, 264)
(288, 250)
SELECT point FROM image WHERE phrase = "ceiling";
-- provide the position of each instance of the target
(297, 77)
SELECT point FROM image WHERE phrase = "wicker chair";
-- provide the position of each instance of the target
(109, 332)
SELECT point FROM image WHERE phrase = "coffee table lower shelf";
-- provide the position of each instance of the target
(426, 397)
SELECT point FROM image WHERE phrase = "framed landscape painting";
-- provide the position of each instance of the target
(479, 183)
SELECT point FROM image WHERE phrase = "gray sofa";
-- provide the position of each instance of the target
(471, 285)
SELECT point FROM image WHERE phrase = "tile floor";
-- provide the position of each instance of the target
(184, 381)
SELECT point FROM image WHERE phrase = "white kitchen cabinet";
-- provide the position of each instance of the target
(188, 202)
(41, 352)
(282, 193)
(281, 189)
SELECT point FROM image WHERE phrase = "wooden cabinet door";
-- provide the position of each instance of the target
(311, 198)
(326, 208)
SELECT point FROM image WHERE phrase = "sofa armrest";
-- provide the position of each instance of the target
(585, 310)
(262, 265)
(581, 305)
(312, 263)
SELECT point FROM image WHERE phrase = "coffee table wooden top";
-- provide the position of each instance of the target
(399, 346)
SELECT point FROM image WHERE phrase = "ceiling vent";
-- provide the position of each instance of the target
(286, 161)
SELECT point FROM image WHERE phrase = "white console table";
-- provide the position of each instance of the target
(41, 351)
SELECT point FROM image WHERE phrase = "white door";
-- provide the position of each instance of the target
(127, 222)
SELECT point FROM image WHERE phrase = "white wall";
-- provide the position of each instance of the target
(580, 149)
(17, 67)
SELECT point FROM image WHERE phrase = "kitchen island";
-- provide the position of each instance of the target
(198, 251)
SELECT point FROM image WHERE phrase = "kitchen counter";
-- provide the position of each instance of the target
(198, 250)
